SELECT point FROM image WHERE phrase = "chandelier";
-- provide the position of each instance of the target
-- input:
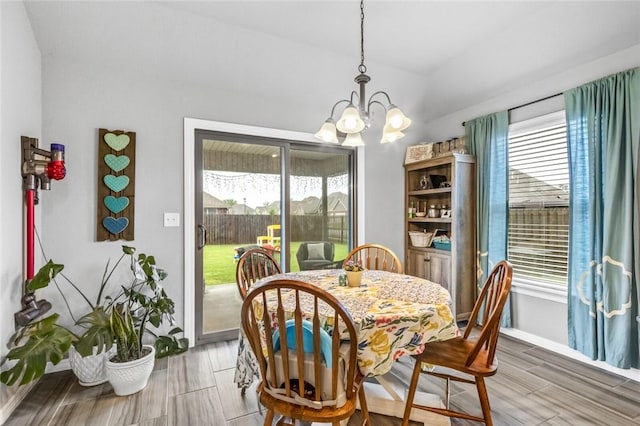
(355, 119)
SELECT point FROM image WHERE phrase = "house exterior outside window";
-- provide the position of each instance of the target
(539, 200)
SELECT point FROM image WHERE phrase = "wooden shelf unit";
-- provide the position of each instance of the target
(454, 269)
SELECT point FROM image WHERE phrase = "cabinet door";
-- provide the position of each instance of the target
(438, 268)
(417, 264)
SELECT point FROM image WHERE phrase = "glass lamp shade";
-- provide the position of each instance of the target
(327, 132)
(353, 139)
(396, 119)
(350, 121)
(389, 135)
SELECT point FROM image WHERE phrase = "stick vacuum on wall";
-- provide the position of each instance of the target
(39, 167)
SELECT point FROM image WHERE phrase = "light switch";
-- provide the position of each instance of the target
(171, 219)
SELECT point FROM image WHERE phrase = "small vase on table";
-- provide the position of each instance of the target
(354, 278)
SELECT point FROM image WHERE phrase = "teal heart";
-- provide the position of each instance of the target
(115, 226)
(116, 204)
(116, 183)
(116, 142)
(117, 163)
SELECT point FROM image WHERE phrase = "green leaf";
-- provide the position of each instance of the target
(98, 332)
(170, 345)
(155, 319)
(44, 276)
(162, 274)
(46, 341)
(125, 334)
(128, 250)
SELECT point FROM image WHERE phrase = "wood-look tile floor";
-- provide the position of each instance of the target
(532, 387)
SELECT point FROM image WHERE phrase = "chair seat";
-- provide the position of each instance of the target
(453, 353)
(304, 413)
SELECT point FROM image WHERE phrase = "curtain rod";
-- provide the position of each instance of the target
(529, 103)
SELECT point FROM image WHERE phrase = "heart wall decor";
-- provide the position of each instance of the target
(116, 185)
(115, 226)
(117, 163)
(116, 204)
(117, 142)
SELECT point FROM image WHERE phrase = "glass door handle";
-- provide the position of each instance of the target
(202, 233)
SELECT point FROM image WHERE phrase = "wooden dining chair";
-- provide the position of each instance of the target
(254, 264)
(474, 355)
(375, 257)
(308, 366)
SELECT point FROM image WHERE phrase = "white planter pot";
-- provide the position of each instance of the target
(130, 377)
(90, 370)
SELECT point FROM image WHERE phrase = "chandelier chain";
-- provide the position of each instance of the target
(362, 68)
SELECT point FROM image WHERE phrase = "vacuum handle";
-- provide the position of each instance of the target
(202, 231)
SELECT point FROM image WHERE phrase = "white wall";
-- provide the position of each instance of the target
(445, 127)
(20, 113)
(384, 188)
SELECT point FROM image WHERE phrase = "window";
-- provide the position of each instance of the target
(539, 199)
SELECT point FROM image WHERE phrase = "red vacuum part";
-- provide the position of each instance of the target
(29, 200)
(56, 170)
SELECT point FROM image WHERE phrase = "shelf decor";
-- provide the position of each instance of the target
(417, 153)
(116, 185)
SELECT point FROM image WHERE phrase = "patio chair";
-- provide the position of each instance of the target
(474, 356)
(375, 257)
(309, 372)
(316, 255)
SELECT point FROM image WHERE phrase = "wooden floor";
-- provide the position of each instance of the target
(532, 387)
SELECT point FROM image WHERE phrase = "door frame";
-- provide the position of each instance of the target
(189, 229)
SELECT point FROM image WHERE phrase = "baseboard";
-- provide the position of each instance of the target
(61, 366)
(15, 397)
(632, 373)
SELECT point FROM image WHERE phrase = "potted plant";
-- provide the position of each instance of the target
(353, 270)
(46, 340)
(144, 302)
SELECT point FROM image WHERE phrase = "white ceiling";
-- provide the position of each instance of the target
(432, 57)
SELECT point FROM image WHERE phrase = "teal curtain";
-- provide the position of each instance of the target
(487, 139)
(603, 122)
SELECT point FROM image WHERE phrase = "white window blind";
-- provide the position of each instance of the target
(539, 199)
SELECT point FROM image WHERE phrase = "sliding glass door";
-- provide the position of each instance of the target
(321, 208)
(269, 193)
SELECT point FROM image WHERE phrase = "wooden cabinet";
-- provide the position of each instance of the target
(432, 265)
(452, 267)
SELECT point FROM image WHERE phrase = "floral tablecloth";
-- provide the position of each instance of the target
(395, 315)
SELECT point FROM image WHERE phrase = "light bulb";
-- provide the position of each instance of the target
(327, 132)
(396, 119)
(350, 123)
(395, 122)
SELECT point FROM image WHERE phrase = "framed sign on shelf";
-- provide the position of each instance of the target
(418, 153)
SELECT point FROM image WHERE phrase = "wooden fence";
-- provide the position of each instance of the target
(244, 229)
(539, 241)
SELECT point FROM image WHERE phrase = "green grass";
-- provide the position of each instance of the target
(220, 267)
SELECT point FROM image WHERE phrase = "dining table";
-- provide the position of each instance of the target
(395, 316)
